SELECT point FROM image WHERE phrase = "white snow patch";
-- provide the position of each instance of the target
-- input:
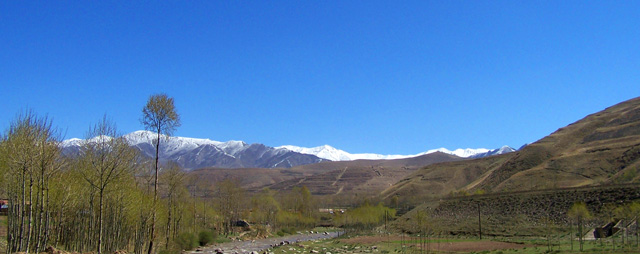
(330, 153)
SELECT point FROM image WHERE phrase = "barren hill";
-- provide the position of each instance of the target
(326, 178)
(360, 176)
(601, 148)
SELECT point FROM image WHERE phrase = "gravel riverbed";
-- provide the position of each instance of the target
(261, 245)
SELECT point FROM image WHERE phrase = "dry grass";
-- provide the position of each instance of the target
(602, 148)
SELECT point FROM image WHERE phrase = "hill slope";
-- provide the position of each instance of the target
(327, 178)
(601, 148)
(361, 176)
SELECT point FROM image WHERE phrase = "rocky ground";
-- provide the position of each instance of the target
(264, 245)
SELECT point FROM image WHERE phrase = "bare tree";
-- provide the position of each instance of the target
(159, 115)
(105, 158)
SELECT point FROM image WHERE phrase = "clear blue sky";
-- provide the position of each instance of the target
(391, 77)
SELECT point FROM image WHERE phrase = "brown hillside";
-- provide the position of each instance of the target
(368, 177)
(443, 178)
(601, 148)
(325, 178)
(248, 178)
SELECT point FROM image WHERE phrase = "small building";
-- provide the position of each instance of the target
(4, 206)
(605, 231)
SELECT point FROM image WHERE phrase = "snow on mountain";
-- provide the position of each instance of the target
(325, 152)
(505, 149)
(330, 153)
(179, 144)
(464, 153)
(192, 153)
(171, 145)
(195, 152)
(72, 142)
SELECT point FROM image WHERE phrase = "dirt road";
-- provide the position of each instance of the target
(261, 245)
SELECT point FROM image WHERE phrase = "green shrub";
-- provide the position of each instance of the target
(186, 241)
(286, 231)
(205, 237)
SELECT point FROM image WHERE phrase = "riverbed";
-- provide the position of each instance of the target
(261, 245)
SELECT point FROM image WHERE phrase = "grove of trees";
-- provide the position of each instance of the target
(107, 197)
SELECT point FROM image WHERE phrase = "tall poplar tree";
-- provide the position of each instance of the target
(159, 115)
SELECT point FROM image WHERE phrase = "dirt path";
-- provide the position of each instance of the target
(263, 244)
(339, 176)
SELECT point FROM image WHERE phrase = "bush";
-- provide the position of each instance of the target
(205, 237)
(286, 231)
(186, 241)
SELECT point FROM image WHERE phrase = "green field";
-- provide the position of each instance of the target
(407, 244)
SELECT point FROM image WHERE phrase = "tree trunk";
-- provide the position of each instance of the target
(12, 218)
(155, 195)
(571, 234)
(204, 212)
(168, 233)
(580, 232)
(59, 222)
(100, 224)
(41, 228)
(47, 219)
(479, 222)
(21, 210)
(30, 225)
(193, 226)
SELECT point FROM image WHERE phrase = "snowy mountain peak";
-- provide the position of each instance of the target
(175, 146)
(170, 145)
(72, 142)
(464, 153)
(330, 153)
(505, 149)
(137, 137)
(193, 153)
(326, 152)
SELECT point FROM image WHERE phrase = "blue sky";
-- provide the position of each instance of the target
(391, 77)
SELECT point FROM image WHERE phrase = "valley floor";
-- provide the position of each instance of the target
(260, 245)
(406, 244)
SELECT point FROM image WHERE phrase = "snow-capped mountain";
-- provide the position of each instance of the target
(333, 154)
(330, 153)
(501, 150)
(193, 153)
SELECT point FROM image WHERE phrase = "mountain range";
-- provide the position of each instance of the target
(332, 154)
(194, 153)
(600, 149)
